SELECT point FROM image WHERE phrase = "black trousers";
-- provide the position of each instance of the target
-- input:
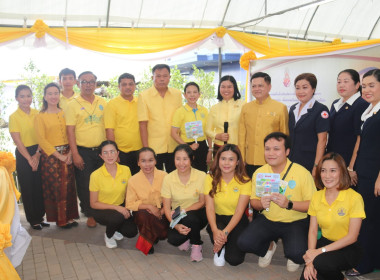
(115, 221)
(330, 264)
(166, 159)
(251, 169)
(31, 187)
(130, 160)
(200, 156)
(92, 161)
(196, 220)
(261, 232)
(233, 255)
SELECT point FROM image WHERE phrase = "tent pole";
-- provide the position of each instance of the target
(108, 12)
(220, 63)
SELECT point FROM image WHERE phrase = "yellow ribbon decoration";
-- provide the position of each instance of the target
(336, 41)
(40, 28)
(246, 58)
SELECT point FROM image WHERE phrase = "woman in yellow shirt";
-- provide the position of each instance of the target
(57, 170)
(108, 186)
(227, 191)
(183, 188)
(188, 127)
(21, 128)
(338, 210)
(225, 115)
(144, 199)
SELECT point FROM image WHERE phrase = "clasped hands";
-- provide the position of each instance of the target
(277, 198)
(220, 238)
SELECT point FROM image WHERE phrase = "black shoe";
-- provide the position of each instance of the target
(36, 227)
(74, 224)
(43, 224)
(151, 251)
(352, 272)
(67, 226)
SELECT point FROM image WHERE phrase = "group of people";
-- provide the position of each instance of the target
(113, 156)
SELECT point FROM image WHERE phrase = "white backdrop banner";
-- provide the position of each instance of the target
(284, 70)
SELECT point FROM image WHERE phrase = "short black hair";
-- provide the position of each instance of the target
(67, 71)
(85, 73)
(160, 66)
(264, 75)
(20, 88)
(126, 76)
(146, 149)
(105, 143)
(278, 136)
(185, 147)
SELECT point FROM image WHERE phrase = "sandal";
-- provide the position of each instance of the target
(352, 272)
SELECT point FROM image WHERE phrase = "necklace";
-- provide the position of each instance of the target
(90, 115)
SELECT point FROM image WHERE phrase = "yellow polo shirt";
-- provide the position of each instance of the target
(180, 194)
(256, 122)
(23, 123)
(121, 115)
(64, 101)
(159, 113)
(51, 131)
(88, 120)
(185, 114)
(227, 195)
(334, 219)
(110, 190)
(299, 187)
(224, 111)
(140, 191)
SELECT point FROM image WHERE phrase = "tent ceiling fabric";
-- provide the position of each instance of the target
(349, 20)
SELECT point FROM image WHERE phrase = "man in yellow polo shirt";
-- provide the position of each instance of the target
(121, 123)
(156, 107)
(67, 80)
(284, 211)
(85, 132)
(258, 118)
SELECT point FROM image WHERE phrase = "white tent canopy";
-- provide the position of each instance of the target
(321, 20)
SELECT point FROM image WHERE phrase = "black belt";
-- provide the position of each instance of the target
(87, 148)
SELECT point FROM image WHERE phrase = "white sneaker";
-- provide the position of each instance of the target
(219, 260)
(110, 242)
(265, 261)
(117, 236)
(291, 266)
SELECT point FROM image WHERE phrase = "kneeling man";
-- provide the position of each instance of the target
(284, 213)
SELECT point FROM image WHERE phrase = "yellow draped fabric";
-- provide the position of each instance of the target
(7, 197)
(151, 40)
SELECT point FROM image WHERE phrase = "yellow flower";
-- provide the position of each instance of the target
(5, 236)
(246, 58)
(220, 32)
(336, 41)
(39, 28)
(8, 161)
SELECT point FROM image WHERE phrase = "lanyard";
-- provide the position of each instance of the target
(287, 171)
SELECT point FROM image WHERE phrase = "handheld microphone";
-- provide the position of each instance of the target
(225, 129)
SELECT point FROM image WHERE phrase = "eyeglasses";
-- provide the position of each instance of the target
(91, 83)
(112, 152)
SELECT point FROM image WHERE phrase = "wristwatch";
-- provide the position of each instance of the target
(290, 205)
(324, 250)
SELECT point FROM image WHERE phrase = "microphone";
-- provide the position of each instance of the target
(225, 130)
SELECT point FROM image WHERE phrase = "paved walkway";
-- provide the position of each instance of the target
(80, 253)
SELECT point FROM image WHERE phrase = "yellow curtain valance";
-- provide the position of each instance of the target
(148, 40)
(151, 40)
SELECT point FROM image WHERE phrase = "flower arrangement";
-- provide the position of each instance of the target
(5, 236)
(246, 58)
(8, 161)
